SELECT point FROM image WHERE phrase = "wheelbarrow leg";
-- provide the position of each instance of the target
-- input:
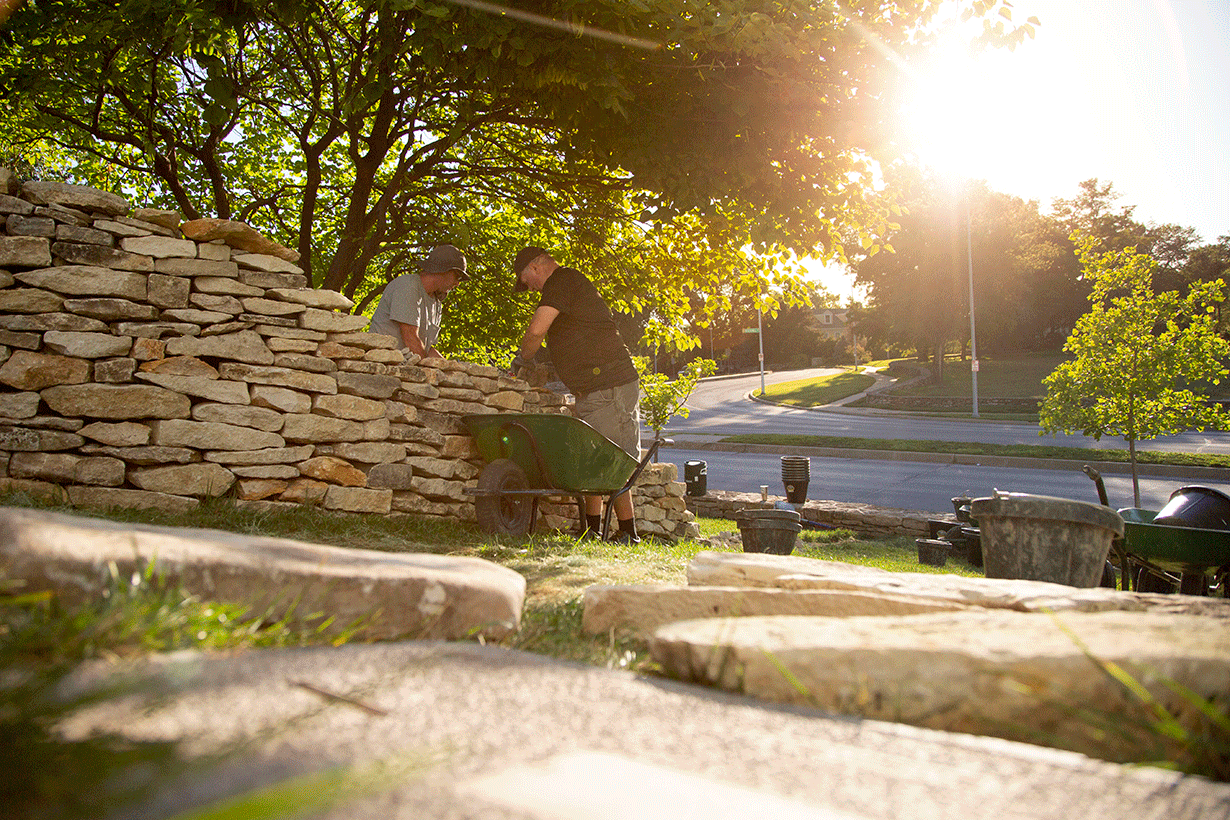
(580, 499)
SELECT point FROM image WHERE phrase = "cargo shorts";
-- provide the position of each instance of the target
(615, 413)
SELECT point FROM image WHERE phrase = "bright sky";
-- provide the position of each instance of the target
(1133, 92)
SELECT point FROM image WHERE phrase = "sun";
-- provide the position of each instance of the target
(961, 113)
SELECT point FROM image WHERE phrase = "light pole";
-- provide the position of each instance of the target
(973, 339)
(760, 334)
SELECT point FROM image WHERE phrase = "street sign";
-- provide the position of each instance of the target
(751, 330)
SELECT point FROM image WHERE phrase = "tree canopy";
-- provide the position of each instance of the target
(1029, 285)
(668, 145)
(1136, 356)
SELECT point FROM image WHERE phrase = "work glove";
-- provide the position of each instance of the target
(517, 364)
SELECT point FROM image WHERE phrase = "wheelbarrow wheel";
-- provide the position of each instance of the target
(496, 512)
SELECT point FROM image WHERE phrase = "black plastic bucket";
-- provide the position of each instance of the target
(932, 551)
(1201, 508)
(960, 505)
(772, 531)
(796, 475)
(695, 477)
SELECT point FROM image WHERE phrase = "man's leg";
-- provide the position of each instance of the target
(615, 414)
(624, 514)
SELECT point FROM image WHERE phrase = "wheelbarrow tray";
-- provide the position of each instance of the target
(1173, 548)
(556, 452)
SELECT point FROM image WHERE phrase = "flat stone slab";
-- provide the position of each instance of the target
(390, 595)
(1021, 676)
(737, 569)
(433, 730)
(642, 608)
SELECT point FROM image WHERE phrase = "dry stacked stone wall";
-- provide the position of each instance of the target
(151, 362)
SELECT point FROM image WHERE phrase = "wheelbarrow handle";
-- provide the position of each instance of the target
(1117, 543)
(1097, 481)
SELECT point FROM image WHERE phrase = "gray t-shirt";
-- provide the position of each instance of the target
(404, 300)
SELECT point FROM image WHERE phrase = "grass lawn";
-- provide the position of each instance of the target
(1019, 377)
(817, 392)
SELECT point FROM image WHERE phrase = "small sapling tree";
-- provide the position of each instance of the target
(662, 398)
(1136, 355)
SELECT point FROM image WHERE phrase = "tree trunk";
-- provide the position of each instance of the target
(1135, 478)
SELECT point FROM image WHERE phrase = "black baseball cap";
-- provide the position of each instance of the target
(527, 255)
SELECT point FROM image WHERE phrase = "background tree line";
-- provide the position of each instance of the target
(1029, 287)
(675, 149)
(1029, 283)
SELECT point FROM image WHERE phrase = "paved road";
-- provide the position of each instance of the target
(720, 407)
(914, 485)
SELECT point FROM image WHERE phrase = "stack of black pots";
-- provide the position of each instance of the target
(796, 474)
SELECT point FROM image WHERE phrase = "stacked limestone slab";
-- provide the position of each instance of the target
(1022, 660)
(375, 595)
(149, 362)
(865, 519)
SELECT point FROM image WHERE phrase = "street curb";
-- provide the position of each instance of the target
(1104, 467)
(727, 376)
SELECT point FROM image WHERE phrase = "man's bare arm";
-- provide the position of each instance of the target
(537, 331)
(410, 338)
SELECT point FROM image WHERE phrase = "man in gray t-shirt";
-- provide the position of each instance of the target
(411, 306)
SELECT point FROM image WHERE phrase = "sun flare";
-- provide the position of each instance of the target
(953, 117)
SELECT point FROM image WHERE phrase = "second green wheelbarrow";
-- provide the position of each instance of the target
(1163, 557)
(531, 456)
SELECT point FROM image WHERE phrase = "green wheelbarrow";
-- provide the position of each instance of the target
(531, 456)
(1162, 557)
(1165, 551)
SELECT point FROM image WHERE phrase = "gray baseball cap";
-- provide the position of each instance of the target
(444, 258)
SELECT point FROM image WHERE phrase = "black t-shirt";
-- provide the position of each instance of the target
(583, 341)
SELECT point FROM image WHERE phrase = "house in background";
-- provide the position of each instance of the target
(833, 323)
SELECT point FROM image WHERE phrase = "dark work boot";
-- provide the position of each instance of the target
(627, 532)
(591, 528)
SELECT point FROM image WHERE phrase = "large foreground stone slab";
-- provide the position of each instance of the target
(427, 730)
(1022, 676)
(642, 608)
(798, 573)
(391, 595)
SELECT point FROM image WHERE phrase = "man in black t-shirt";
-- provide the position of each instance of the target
(591, 359)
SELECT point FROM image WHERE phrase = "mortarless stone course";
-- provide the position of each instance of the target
(177, 358)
